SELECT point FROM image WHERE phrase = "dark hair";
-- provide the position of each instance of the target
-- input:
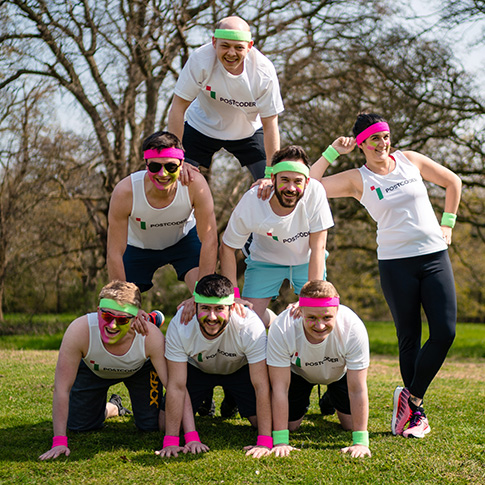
(215, 285)
(161, 139)
(364, 120)
(290, 153)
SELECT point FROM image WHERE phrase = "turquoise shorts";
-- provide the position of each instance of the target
(264, 280)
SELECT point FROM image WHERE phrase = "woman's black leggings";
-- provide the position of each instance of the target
(408, 284)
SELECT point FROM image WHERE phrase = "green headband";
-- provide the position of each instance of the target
(291, 167)
(232, 35)
(114, 305)
(214, 300)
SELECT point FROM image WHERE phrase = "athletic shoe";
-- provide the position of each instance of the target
(418, 426)
(157, 318)
(401, 412)
(116, 400)
(326, 407)
(228, 406)
(207, 408)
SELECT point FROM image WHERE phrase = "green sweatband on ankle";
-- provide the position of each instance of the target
(330, 154)
(281, 436)
(360, 438)
(267, 172)
(448, 219)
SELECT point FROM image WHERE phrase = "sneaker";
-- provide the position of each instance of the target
(418, 426)
(401, 412)
(228, 406)
(116, 400)
(157, 318)
(326, 407)
(207, 408)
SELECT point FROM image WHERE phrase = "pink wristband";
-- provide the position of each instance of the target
(191, 436)
(237, 294)
(59, 441)
(171, 441)
(265, 441)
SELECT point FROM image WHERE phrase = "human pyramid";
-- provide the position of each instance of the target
(228, 96)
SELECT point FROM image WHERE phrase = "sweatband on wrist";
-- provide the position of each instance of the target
(264, 441)
(59, 441)
(360, 438)
(331, 154)
(267, 172)
(375, 128)
(170, 152)
(281, 436)
(289, 166)
(114, 305)
(319, 302)
(237, 293)
(171, 441)
(191, 436)
(230, 34)
(448, 219)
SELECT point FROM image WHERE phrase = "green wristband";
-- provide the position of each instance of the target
(330, 154)
(448, 219)
(360, 438)
(281, 436)
(267, 172)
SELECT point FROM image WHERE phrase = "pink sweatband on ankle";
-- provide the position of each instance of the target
(265, 441)
(171, 441)
(59, 441)
(191, 436)
(237, 293)
(318, 302)
(375, 128)
(164, 153)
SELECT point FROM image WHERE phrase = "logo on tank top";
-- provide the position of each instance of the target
(270, 234)
(297, 360)
(211, 93)
(95, 366)
(378, 192)
(143, 224)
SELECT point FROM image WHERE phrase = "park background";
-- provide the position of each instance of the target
(83, 83)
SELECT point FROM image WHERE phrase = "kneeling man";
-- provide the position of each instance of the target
(222, 349)
(327, 344)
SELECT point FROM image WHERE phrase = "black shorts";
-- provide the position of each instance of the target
(87, 400)
(200, 385)
(140, 264)
(299, 396)
(199, 148)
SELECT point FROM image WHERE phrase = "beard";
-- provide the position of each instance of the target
(288, 203)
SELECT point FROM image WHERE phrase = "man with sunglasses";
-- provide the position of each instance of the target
(154, 220)
(100, 350)
(218, 347)
(230, 97)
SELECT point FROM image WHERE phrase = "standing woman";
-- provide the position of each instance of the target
(414, 265)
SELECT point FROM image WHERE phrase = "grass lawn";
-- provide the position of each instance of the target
(454, 451)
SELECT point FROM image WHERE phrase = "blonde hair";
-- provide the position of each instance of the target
(122, 292)
(318, 289)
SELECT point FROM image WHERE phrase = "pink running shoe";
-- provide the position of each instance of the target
(401, 412)
(418, 426)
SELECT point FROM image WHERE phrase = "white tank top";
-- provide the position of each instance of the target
(406, 223)
(151, 228)
(109, 366)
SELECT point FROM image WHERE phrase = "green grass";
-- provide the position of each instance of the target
(454, 452)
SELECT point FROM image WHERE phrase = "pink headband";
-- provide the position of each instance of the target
(316, 302)
(164, 153)
(375, 128)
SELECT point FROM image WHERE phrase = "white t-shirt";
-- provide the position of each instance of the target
(346, 347)
(277, 239)
(243, 341)
(228, 107)
(406, 223)
(152, 228)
